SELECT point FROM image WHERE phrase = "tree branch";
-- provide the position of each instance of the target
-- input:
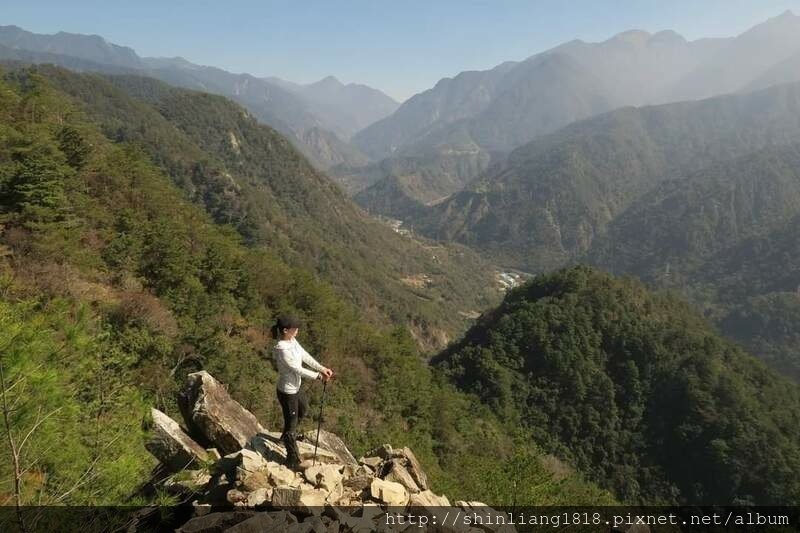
(37, 424)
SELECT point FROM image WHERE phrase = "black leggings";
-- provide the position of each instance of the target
(295, 407)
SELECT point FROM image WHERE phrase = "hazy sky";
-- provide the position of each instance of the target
(400, 46)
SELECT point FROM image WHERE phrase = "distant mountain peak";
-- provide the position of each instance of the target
(87, 47)
(327, 82)
(785, 18)
(165, 62)
(632, 37)
(667, 36)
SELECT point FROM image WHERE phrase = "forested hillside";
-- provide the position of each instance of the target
(555, 195)
(682, 223)
(247, 175)
(331, 110)
(637, 389)
(114, 286)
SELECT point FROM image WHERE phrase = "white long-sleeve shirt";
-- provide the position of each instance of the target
(289, 357)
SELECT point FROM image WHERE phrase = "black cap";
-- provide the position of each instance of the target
(287, 322)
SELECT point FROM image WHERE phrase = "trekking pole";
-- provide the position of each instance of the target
(319, 421)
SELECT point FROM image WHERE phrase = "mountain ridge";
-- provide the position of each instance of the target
(275, 105)
(588, 172)
(569, 82)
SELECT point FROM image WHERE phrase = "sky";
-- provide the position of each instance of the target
(400, 47)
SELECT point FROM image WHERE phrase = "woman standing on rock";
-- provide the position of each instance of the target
(289, 357)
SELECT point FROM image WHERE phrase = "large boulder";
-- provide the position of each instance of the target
(259, 497)
(395, 471)
(209, 410)
(389, 492)
(252, 461)
(378, 458)
(234, 463)
(357, 478)
(413, 467)
(327, 477)
(279, 475)
(331, 442)
(301, 499)
(171, 445)
(269, 444)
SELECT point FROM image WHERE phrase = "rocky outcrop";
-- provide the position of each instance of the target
(171, 445)
(388, 492)
(330, 441)
(269, 444)
(209, 411)
(332, 492)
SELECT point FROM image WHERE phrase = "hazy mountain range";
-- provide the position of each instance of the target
(554, 195)
(574, 154)
(494, 111)
(316, 117)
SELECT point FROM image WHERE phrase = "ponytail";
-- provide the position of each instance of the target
(284, 322)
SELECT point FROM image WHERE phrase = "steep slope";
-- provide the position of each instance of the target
(743, 59)
(393, 197)
(534, 97)
(638, 388)
(768, 326)
(682, 223)
(751, 292)
(426, 177)
(451, 99)
(115, 287)
(725, 237)
(345, 108)
(538, 96)
(247, 175)
(786, 72)
(556, 194)
(326, 150)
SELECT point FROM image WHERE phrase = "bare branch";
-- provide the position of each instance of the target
(87, 476)
(12, 447)
(19, 398)
(21, 379)
(37, 424)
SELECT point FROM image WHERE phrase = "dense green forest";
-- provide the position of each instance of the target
(725, 237)
(115, 283)
(248, 176)
(637, 389)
